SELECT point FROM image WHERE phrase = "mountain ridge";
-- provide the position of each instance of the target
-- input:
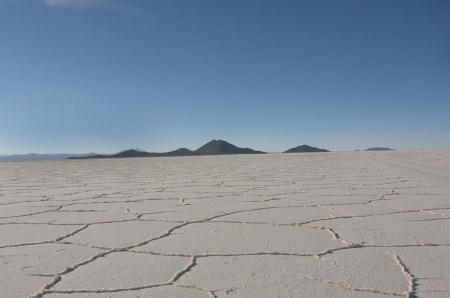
(221, 147)
(305, 149)
(41, 156)
(213, 147)
(379, 149)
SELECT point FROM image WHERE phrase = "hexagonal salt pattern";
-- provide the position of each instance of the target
(346, 224)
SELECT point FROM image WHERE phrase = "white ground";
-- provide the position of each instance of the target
(354, 224)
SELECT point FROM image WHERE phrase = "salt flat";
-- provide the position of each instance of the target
(345, 224)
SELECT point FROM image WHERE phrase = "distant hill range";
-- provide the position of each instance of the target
(214, 147)
(139, 153)
(35, 156)
(379, 149)
(305, 149)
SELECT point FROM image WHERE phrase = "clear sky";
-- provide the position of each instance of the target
(106, 75)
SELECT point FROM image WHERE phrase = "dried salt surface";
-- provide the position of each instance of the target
(166, 291)
(348, 224)
(118, 271)
(268, 276)
(9, 212)
(279, 215)
(23, 234)
(236, 238)
(429, 269)
(24, 269)
(418, 228)
(75, 217)
(120, 234)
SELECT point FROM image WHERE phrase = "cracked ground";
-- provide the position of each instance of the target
(349, 224)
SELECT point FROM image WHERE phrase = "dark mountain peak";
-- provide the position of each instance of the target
(216, 147)
(217, 144)
(305, 149)
(131, 153)
(379, 149)
(179, 152)
(182, 149)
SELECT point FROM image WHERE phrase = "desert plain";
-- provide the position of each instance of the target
(340, 224)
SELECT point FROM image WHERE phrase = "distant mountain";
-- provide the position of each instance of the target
(219, 147)
(35, 156)
(379, 149)
(121, 154)
(305, 149)
(179, 152)
(132, 153)
(214, 147)
(139, 153)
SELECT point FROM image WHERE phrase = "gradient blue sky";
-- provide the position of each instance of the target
(102, 75)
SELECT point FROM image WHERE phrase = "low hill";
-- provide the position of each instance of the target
(132, 153)
(305, 149)
(35, 156)
(379, 149)
(178, 152)
(219, 147)
(122, 154)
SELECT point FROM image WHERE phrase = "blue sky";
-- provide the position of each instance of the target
(103, 75)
